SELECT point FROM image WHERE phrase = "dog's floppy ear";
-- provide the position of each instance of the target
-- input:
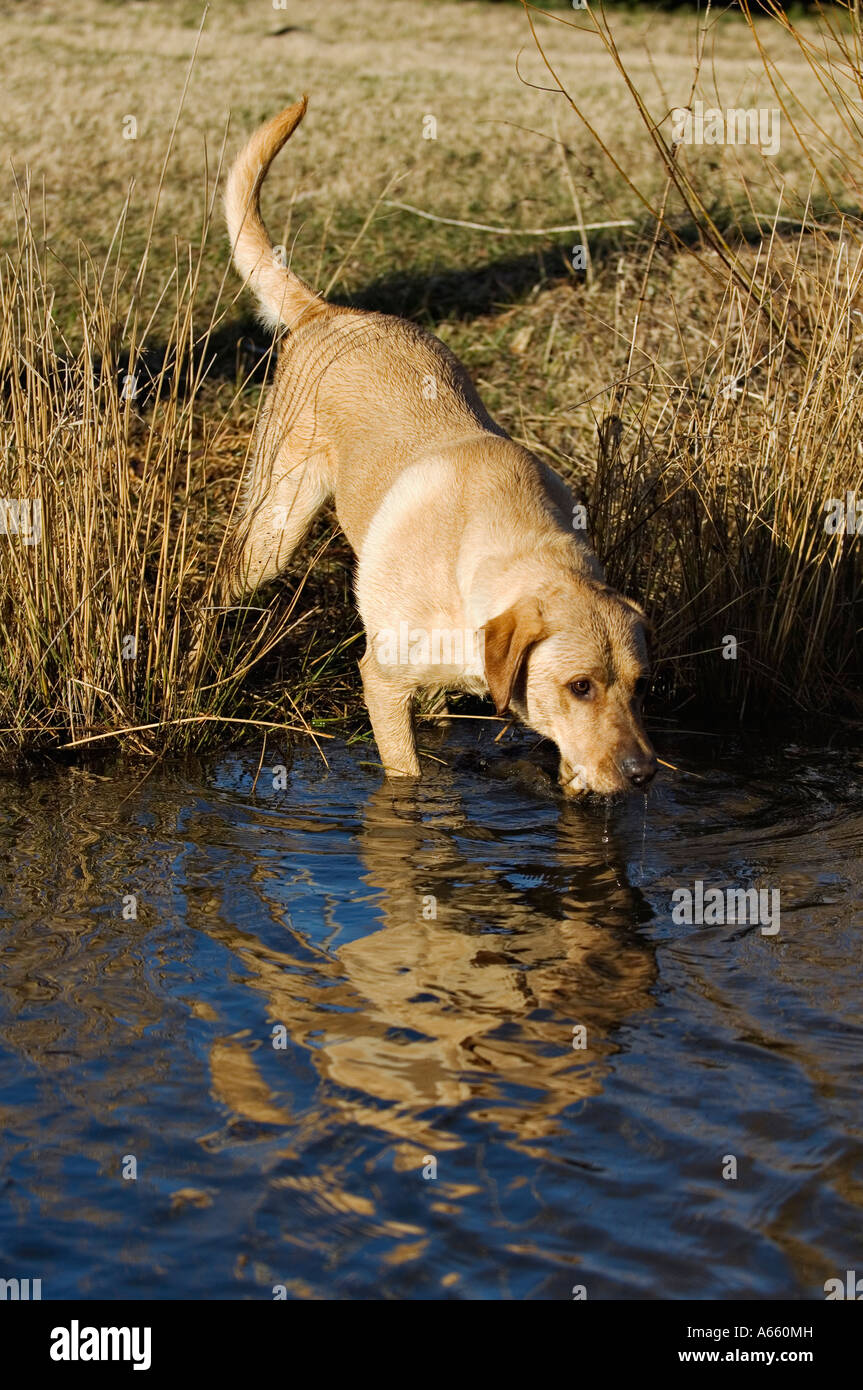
(507, 640)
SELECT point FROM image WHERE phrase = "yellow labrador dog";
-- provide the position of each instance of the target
(469, 573)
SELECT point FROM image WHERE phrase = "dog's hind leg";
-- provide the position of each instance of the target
(282, 502)
(280, 507)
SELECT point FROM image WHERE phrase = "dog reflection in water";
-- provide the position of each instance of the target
(465, 988)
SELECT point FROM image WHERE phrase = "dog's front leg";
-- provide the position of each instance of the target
(390, 707)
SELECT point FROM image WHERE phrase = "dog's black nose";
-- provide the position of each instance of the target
(640, 769)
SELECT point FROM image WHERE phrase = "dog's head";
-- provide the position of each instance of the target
(574, 666)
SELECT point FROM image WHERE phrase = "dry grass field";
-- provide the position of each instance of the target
(698, 379)
(375, 69)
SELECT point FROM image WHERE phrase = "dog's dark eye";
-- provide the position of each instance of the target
(580, 688)
(641, 687)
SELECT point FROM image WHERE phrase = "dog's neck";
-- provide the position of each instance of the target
(500, 578)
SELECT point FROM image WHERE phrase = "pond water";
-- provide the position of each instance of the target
(440, 1041)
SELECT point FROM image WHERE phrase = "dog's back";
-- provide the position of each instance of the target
(382, 393)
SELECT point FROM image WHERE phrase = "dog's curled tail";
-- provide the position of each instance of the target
(283, 296)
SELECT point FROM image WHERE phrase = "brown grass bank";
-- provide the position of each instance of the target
(698, 378)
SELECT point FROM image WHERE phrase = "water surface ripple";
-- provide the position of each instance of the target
(421, 958)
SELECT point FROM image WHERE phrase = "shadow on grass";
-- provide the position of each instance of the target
(239, 349)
